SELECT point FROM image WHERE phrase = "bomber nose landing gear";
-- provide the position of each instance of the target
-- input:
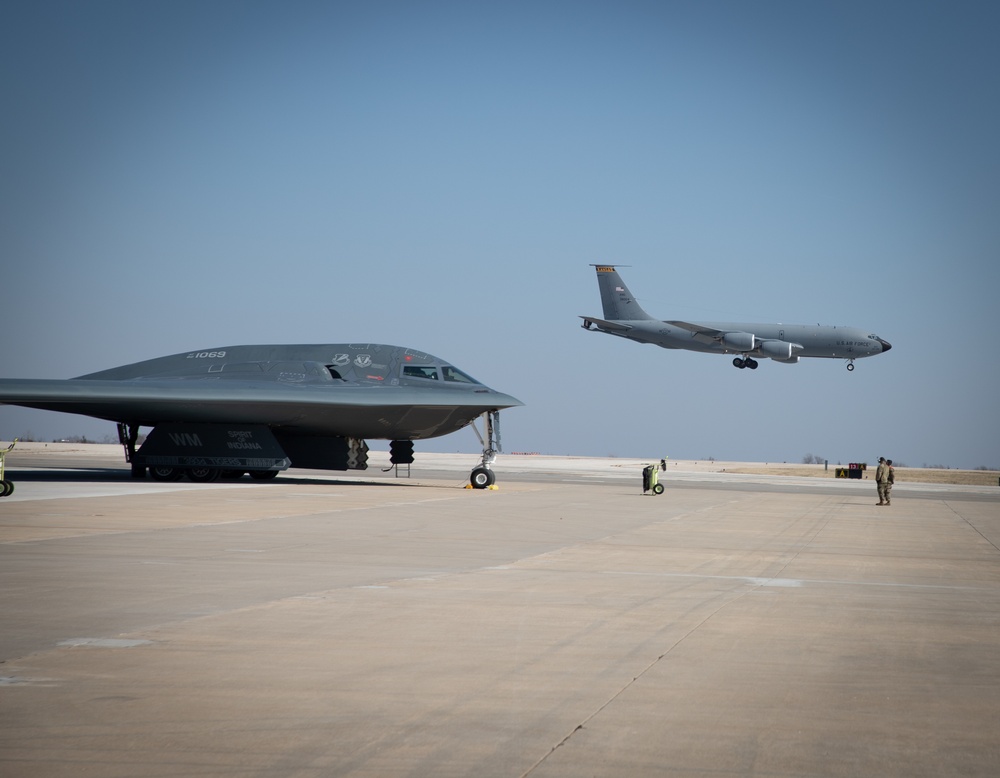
(745, 362)
(483, 477)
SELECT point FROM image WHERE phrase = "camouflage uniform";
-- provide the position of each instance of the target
(882, 482)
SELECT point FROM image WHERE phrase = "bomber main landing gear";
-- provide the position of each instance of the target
(483, 477)
(745, 362)
(165, 473)
(128, 436)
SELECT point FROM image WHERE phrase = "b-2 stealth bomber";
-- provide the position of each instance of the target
(223, 412)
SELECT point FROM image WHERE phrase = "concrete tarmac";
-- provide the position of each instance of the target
(563, 625)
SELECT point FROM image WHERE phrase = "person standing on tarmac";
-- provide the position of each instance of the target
(891, 480)
(882, 482)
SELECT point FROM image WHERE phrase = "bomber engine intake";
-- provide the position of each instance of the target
(744, 342)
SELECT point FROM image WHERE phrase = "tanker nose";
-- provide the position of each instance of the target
(886, 345)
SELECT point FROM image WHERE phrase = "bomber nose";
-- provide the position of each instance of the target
(886, 345)
(506, 401)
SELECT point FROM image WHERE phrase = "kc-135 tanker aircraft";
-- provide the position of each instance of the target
(787, 343)
(261, 409)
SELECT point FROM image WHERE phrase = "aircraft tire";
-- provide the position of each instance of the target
(658, 489)
(165, 474)
(739, 363)
(263, 475)
(203, 475)
(7, 488)
(482, 477)
(752, 364)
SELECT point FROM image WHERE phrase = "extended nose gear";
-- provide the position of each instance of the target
(483, 477)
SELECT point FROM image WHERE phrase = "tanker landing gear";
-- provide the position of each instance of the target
(850, 365)
(483, 477)
(745, 362)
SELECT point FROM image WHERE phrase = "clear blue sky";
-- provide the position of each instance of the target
(187, 175)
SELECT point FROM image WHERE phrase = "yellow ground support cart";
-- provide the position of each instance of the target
(650, 480)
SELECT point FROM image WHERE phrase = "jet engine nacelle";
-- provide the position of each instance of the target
(778, 349)
(743, 342)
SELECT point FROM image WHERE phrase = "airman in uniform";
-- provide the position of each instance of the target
(882, 481)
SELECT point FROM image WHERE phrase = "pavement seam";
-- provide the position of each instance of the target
(631, 683)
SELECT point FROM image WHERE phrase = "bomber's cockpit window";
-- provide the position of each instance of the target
(454, 374)
(418, 371)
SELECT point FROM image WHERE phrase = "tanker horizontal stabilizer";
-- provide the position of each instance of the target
(607, 326)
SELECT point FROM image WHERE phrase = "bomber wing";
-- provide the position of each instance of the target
(343, 409)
